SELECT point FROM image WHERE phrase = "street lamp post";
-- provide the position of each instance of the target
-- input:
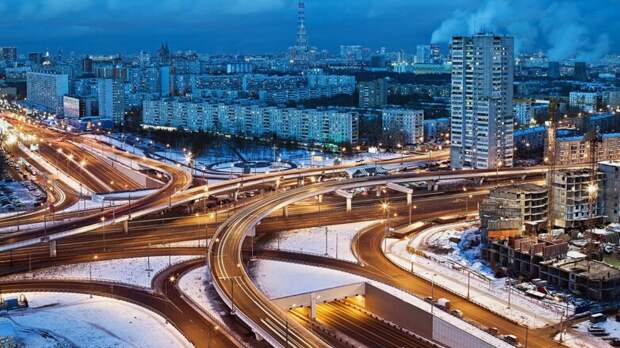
(90, 272)
(103, 232)
(386, 208)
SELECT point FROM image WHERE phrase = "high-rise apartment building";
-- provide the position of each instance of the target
(111, 100)
(482, 118)
(45, 90)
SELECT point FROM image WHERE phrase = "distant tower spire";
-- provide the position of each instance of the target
(302, 39)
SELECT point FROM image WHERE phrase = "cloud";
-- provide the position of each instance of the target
(565, 29)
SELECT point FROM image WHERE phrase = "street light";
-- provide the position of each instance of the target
(386, 208)
(103, 231)
(90, 271)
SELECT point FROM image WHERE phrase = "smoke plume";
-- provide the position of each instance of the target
(564, 29)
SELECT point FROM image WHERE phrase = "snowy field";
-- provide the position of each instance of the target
(312, 240)
(75, 320)
(491, 294)
(279, 279)
(135, 271)
(195, 284)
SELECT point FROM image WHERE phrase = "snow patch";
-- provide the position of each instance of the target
(65, 320)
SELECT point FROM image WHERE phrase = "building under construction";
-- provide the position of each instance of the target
(575, 199)
(512, 210)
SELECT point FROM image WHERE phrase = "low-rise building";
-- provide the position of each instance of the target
(593, 279)
(523, 256)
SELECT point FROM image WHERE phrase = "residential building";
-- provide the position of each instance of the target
(576, 202)
(438, 129)
(373, 94)
(111, 100)
(612, 99)
(577, 150)
(584, 101)
(610, 190)
(307, 126)
(404, 126)
(45, 90)
(524, 111)
(482, 116)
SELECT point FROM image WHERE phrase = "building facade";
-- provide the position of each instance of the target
(373, 94)
(584, 101)
(521, 208)
(45, 90)
(577, 150)
(575, 197)
(404, 123)
(306, 126)
(482, 117)
(111, 100)
(610, 190)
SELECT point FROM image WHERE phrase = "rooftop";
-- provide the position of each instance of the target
(590, 269)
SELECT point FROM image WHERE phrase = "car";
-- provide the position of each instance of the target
(493, 331)
(511, 339)
(595, 328)
(457, 313)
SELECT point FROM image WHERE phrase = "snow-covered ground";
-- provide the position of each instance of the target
(230, 167)
(440, 243)
(137, 271)
(195, 284)
(87, 204)
(279, 279)
(75, 320)
(312, 240)
(33, 226)
(119, 144)
(491, 294)
(579, 336)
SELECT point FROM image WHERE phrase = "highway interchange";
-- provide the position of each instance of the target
(178, 211)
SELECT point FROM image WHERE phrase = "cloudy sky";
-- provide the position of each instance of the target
(585, 29)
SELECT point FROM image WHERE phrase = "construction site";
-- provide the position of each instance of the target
(562, 235)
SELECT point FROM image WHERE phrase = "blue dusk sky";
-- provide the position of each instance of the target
(565, 29)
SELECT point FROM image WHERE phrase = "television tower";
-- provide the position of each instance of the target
(302, 38)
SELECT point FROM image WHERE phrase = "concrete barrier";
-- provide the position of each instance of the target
(59, 174)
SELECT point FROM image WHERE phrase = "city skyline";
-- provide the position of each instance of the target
(215, 26)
